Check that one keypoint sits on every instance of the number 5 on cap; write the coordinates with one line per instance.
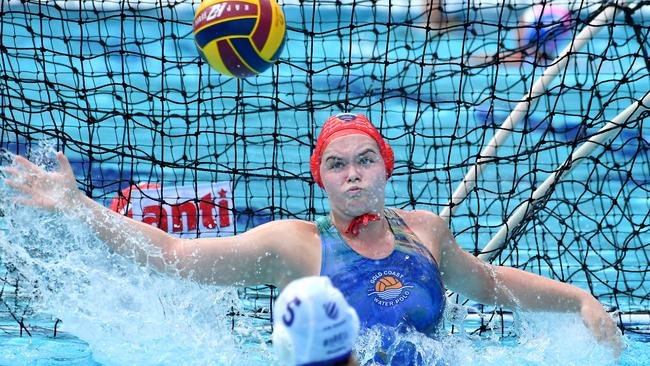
(288, 320)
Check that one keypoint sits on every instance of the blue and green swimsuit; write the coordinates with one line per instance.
(403, 290)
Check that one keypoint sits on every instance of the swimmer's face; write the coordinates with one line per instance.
(354, 175)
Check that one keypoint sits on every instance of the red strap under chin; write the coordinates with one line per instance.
(364, 219)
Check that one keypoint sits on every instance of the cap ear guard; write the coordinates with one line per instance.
(356, 323)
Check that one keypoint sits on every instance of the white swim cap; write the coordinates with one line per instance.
(313, 323)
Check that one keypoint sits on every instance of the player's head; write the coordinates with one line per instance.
(313, 324)
(344, 124)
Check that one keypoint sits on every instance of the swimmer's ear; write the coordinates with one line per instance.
(64, 163)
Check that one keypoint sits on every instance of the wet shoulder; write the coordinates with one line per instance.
(425, 225)
(296, 233)
(298, 243)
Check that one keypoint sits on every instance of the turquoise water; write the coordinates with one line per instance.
(114, 312)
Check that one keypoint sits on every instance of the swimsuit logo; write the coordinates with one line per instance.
(389, 288)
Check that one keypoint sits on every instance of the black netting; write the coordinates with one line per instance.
(121, 89)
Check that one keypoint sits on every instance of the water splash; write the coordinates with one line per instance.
(131, 314)
(554, 339)
(127, 313)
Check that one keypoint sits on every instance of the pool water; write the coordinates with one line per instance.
(116, 313)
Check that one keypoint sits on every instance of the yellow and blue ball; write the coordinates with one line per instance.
(240, 38)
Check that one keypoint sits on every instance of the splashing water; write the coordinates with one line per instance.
(547, 339)
(130, 314)
(536, 339)
(127, 313)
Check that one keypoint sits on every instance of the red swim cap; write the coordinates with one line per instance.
(347, 124)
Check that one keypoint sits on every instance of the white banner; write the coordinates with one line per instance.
(186, 212)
